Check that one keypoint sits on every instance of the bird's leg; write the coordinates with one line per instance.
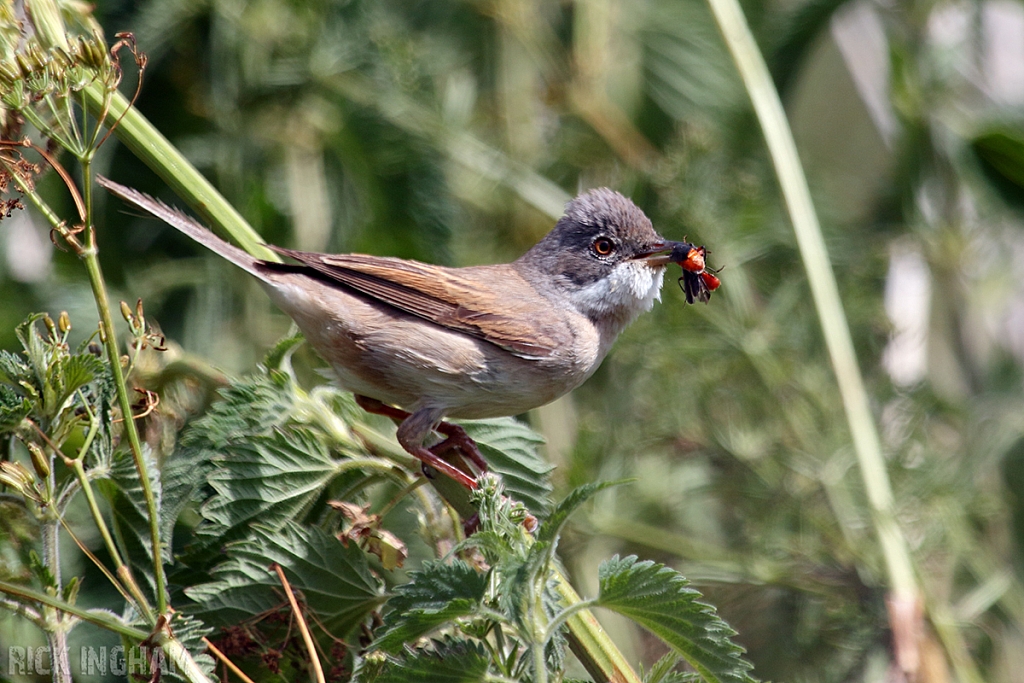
(413, 431)
(411, 434)
(456, 436)
(372, 405)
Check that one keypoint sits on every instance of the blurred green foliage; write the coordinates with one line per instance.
(452, 131)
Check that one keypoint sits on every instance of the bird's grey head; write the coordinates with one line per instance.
(596, 257)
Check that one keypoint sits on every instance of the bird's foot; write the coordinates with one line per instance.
(455, 436)
(458, 438)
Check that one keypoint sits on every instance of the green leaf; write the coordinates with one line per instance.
(264, 479)
(123, 490)
(279, 356)
(510, 448)
(12, 369)
(252, 406)
(448, 661)
(190, 632)
(334, 581)
(658, 598)
(74, 373)
(552, 526)
(183, 474)
(436, 595)
(33, 345)
(662, 671)
(13, 408)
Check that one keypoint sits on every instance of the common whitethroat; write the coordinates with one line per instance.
(420, 342)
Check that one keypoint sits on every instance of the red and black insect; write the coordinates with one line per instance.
(698, 281)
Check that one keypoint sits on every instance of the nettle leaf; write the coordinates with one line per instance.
(190, 632)
(510, 448)
(74, 373)
(334, 581)
(35, 349)
(123, 490)
(663, 671)
(12, 369)
(447, 661)
(251, 406)
(265, 479)
(435, 596)
(660, 599)
(552, 526)
(13, 408)
(184, 473)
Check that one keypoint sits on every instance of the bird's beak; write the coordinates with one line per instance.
(663, 252)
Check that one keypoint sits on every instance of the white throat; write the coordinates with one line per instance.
(615, 301)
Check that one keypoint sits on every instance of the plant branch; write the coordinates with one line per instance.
(101, 619)
(147, 143)
(589, 642)
(108, 337)
(565, 615)
(89, 254)
(307, 638)
(825, 292)
(57, 628)
(227, 662)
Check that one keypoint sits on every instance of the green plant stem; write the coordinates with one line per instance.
(540, 666)
(101, 619)
(147, 143)
(99, 290)
(171, 646)
(89, 253)
(565, 615)
(131, 430)
(588, 641)
(779, 138)
(539, 626)
(57, 627)
(121, 569)
(23, 610)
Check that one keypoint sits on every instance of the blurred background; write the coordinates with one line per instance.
(454, 131)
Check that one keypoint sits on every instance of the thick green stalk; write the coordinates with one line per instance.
(147, 143)
(825, 292)
(588, 641)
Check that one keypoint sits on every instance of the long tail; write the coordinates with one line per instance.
(185, 224)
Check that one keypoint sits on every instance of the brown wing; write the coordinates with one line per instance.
(439, 294)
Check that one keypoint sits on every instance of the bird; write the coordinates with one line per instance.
(420, 342)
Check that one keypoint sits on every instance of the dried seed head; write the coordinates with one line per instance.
(16, 476)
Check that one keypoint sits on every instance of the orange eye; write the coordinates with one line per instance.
(603, 246)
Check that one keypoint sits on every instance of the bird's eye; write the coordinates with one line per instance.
(603, 246)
